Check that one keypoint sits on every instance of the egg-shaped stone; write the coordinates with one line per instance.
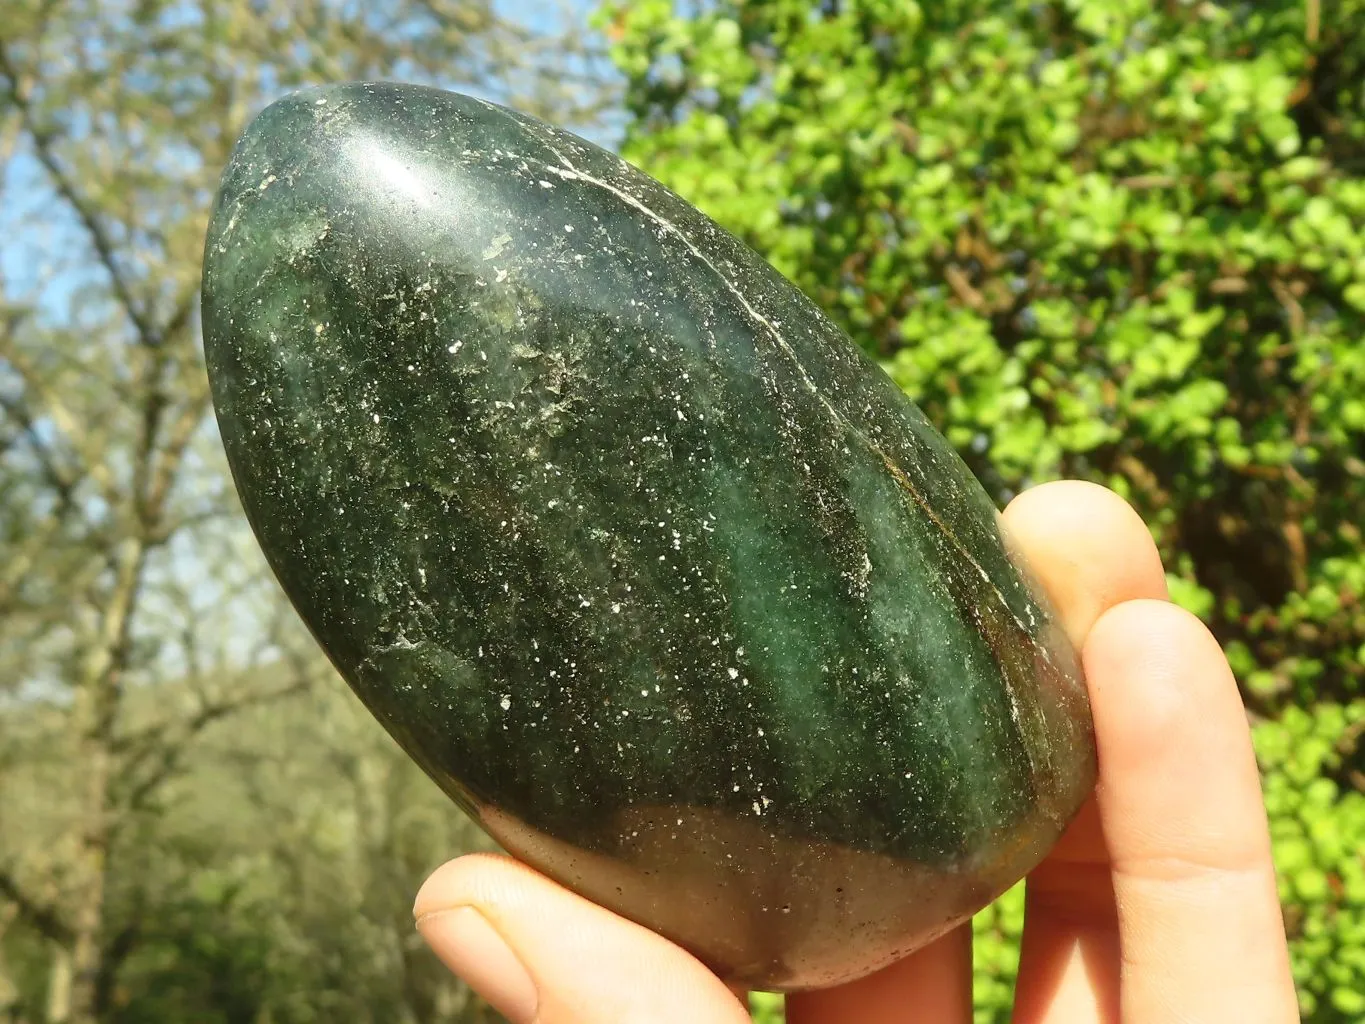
(628, 545)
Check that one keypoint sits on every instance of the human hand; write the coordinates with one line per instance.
(1158, 904)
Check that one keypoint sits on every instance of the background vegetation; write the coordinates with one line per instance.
(1112, 239)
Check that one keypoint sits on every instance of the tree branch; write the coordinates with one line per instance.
(90, 464)
(104, 247)
(155, 743)
(115, 953)
(22, 559)
(40, 916)
(62, 482)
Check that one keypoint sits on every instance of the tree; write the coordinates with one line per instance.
(280, 885)
(1110, 239)
(123, 562)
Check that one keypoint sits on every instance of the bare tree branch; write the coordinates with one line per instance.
(62, 417)
(37, 914)
(62, 481)
(165, 745)
(115, 953)
(43, 145)
(21, 562)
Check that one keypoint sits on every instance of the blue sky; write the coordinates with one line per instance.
(38, 236)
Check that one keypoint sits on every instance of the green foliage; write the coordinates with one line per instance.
(1121, 240)
(766, 1008)
(996, 932)
(1318, 827)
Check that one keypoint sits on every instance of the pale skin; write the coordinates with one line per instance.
(1158, 905)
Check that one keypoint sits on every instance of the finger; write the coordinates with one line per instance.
(1180, 802)
(931, 986)
(1087, 548)
(1090, 552)
(538, 953)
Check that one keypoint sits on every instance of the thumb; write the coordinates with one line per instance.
(541, 955)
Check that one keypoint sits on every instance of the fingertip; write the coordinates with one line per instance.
(572, 951)
(1087, 548)
(468, 881)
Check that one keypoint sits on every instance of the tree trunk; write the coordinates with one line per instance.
(9, 991)
(88, 920)
(59, 987)
(96, 704)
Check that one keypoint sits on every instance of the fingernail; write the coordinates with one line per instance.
(465, 942)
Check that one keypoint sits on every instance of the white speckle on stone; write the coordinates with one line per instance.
(506, 702)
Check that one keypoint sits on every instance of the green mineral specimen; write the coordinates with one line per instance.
(653, 571)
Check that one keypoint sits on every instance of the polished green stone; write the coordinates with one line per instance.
(625, 542)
